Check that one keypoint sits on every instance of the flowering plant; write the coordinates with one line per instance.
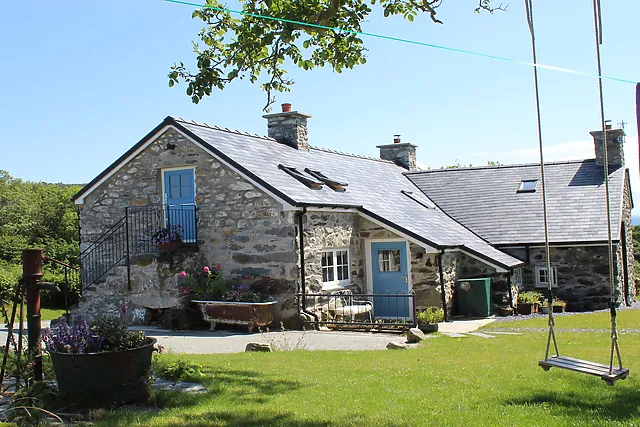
(208, 284)
(204, 283)
(106, 334)
(77, 339)
(171, 233)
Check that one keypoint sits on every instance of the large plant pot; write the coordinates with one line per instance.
(112, 376)
(249, 314)
(527, 308)
(428, 328)
(559, 308)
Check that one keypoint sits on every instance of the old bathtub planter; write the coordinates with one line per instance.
(249, 314)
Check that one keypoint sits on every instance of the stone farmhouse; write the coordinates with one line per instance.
(316, 221)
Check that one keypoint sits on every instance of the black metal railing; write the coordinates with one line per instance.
(344, 308)
(145, 221)
(70, 283)
(104, 254)
(136, 234)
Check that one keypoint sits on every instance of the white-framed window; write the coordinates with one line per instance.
(542, 277)
(335, 267)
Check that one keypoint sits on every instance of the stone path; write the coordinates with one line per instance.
(486, 335)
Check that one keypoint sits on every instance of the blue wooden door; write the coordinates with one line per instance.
(180, 202)
(389, 274)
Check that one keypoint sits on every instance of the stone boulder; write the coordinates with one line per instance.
(258, 346)
(415, 335)
(397, 346)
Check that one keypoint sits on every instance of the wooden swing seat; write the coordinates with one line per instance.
(585, 367)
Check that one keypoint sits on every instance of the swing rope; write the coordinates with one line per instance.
(597, 21)
(552, 335)
(550, 276)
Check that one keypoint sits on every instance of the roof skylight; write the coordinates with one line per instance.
(527, 186)
(306, 180)
(331, 183)
(421, 201)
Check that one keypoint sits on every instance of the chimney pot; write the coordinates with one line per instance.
(289, 127)
(396, 139)
(607, 124)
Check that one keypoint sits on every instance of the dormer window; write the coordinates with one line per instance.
(527, 186)
(331, 183)
(305, 179)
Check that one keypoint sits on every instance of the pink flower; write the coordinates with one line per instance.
(185, 291)
(218, 266)
(205, 269)
(183, 273)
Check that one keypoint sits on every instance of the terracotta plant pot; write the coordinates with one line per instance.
(250, 314)
(168, 247)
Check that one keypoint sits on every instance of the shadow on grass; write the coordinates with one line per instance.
(250, 419)
(616, 404)
(231, 385)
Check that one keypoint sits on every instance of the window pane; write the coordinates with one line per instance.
(388, 260)
(328, 274)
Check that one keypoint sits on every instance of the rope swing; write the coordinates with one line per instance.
(607, 373)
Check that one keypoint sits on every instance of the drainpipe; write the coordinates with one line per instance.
(442, 291)
(303, 279)
(509, 290)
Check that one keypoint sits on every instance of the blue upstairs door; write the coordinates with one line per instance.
(389, 274)
(180, 201)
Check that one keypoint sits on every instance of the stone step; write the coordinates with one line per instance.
(480, 334)
(453, 334)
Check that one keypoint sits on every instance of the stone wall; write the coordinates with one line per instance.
(327, 230)
(239, 227)
(628, 228)
(583, 274)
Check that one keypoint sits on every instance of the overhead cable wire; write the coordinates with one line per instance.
(402, 40)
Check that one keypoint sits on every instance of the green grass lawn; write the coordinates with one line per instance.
(626, 319)
(46, 313)
(467, 381)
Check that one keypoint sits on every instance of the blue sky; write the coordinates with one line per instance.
(83, 81)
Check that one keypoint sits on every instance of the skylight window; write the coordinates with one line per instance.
(528, 186)
(421, 201)
(331, 183)
(306, 180)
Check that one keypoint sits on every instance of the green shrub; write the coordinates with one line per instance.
(116, 335)
(530, 297)
(431, 315)
(182, 370)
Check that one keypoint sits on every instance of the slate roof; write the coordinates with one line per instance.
(485, 199)
(375, 187)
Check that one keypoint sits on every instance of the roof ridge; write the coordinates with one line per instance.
(511, 166)
(227, 130)
(358, 156)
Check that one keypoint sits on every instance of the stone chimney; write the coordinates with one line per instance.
(615, 139)
(289, 127)
(401, 153)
